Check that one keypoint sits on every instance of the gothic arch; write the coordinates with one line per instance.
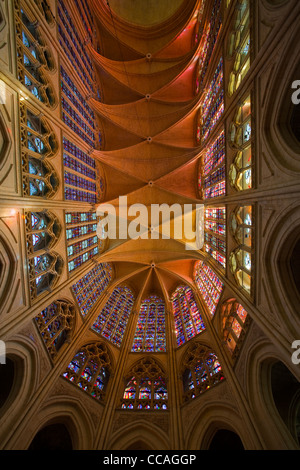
(8, 266)
(131, 433)
(68, 411)
(91, 368)
(24, 355)
(200, 370)
(5, 139)
(56, 324)
(145, 386)
(279, 107)
(279, 248)
(261, 356)
(210, 419)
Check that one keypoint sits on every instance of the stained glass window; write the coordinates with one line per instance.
(211, 105)
(211, 182)
(187, 318)
(44, 270)
(81, 225)
(90, 288)
(55, 324)
(235, 321)
(34, 57)
(207, 43)
(201, 370)
(241, 130)
(239, 46)
(240, 173)
(76, 112)
(45, 266)
(209, 284)
(145, 388)
(241, 258)
(150, 333)
(215, 234)
(73, 46)
(90, 369)
(42, 230)
(112, 320)
(38, 144)
(80, 174)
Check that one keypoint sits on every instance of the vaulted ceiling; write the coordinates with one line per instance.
(148, 111)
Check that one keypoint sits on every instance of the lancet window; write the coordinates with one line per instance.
(146, 387)
(187, 318)
(90, 370)
(150, 335)
(113, 318)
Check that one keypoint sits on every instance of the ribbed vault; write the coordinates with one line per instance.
(148, 109)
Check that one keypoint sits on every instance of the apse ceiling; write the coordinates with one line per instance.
(144, 12)
(147, 112)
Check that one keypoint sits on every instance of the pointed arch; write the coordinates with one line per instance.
(145, 387)
(90, 369)
(200, 371)
(209, 285)
(112, 320)
(150, 335)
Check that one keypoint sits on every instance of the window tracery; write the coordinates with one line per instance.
(235, 321)
(212, 176)
(240, 173)
(90, 287)
(55, 324)
(209, 285)
(82, 225)
(112, 320)
(201, 370)
(239, 46)
(146, 387)
(35, 58)
(240, 260)
(42, 232)
(187, 318)
(215, 233)
(45, 9)
(90, 370)
(211, 105)
(38, 144)
(150, 335)
(207, 43)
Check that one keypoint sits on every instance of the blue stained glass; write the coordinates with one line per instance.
(26, 60)
(35, 238)
(187, 318)
(25, 40)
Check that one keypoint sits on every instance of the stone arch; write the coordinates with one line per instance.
(200, 370)
(24, 356)
(5, 139)
(261, 356)
(225, 439)
(279, 107)
(280, 245)
(8, 265)
(213, 417)
(145, 386)
(131, 433)
(69, 412)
